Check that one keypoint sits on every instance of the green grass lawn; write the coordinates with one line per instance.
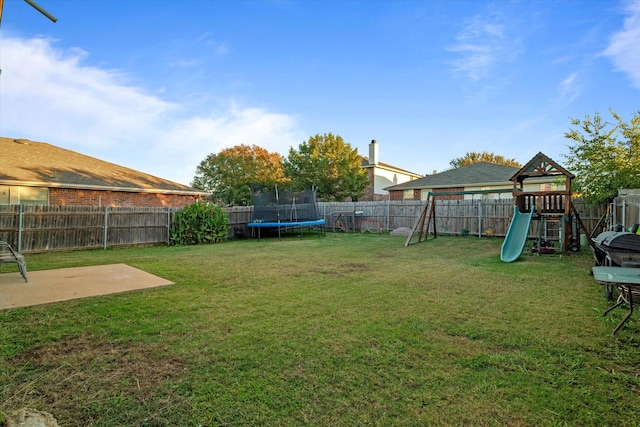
(339, 330)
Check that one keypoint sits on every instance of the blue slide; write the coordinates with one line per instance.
(516, 236)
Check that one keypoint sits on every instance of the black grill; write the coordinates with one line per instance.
(612, 248)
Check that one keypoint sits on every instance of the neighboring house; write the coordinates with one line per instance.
(481, 176)
(39, 173)
(382, 175)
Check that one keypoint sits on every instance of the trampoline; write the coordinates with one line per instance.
(284, 226)
(284, 210)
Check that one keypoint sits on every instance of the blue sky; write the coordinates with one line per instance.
(157, 85)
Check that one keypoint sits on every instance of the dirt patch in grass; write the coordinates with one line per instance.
(337, 269)
(82, 375)
(340, 269)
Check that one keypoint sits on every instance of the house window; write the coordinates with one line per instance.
(408, 195)
(15, 195)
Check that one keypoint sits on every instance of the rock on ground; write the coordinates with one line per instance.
(30, 418)
(402, 231)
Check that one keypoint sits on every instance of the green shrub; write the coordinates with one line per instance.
(200, 222)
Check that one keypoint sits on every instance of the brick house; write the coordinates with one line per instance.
(382, 175)
(39, 173)
(482, 176)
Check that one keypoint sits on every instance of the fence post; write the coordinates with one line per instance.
(20, 215)
(168, 226)
(388, 218)
(480, 217)
(106, 227)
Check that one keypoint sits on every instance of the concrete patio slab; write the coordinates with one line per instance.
(64, 284)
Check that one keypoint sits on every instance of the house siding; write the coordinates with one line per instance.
(79, 197)
(379, 179)
(396, 195)
(449, 196)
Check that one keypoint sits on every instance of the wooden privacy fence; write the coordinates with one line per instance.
(479, 216)
(39, 228)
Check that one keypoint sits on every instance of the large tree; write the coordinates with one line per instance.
(229, 174)
(604, 156)
(477, 157)
(330, 165)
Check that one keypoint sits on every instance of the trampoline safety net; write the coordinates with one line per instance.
(283, 206)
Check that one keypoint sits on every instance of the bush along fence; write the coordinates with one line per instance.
(199, 223)
(40, 228)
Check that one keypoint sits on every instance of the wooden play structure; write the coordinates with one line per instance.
(549, 206)
(552, 208)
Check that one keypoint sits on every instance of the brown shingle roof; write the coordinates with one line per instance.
(25, 162)
(482, 173)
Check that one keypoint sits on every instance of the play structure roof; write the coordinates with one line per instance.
(539, 166)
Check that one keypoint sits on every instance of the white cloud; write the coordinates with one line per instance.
(482, 44)
(624, 45)
(195, 52)
(50, 95)
(193, 138)
(569, 89)
(49, 92)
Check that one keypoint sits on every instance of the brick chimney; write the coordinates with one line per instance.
(373, 152)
